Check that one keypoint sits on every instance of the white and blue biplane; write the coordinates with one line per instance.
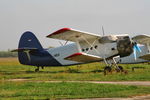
(87, 47)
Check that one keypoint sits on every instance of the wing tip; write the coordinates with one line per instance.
(59, 31)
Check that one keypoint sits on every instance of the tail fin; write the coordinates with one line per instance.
(28, 43)
(29, 40)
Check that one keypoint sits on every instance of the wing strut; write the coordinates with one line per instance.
(90, 44)
(148, 47)
(78, 45)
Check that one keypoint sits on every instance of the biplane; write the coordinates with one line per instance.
(86, 48)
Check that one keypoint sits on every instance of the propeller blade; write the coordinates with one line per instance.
(134, 52)
(138, 48)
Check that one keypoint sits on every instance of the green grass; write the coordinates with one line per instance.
(43, 90)
(11, 69)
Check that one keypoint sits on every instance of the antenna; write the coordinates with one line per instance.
(103, 31)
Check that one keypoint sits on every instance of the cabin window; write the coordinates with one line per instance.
(87, 49)
(83, 50)
(95, 46)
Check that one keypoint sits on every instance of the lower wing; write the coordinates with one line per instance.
(83, 57)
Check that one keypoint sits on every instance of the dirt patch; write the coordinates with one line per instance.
(145, 97)
(17, 80)
(143, 83)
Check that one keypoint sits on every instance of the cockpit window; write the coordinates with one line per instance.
(108, 39)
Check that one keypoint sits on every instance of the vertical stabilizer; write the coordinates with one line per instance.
(28, 41)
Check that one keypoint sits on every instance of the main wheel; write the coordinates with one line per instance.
(119, 69)
(37, 70)
(107, 69)
(42, 67)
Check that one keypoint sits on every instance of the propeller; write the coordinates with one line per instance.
(136, 49)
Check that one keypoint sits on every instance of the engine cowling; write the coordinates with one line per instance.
(124, 46)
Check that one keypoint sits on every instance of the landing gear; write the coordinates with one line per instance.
(119, 69)
(107, 70)
(42, 67)
(109, 67)
(38, 67)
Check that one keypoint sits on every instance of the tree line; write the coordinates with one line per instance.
(8, 54)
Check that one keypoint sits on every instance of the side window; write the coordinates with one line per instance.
(87, 49)
(90, 48)
(95, 46)
(83, 50)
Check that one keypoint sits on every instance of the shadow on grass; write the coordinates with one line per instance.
(96, 71)
(52, 72)
(66, 71)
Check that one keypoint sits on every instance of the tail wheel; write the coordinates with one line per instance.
(42, 67)
(37, 69)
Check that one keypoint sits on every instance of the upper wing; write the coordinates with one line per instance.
(83, 57)
(72, 35)
(142, 39)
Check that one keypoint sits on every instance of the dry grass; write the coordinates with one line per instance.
(9, 61)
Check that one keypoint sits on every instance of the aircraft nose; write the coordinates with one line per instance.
(125, 46)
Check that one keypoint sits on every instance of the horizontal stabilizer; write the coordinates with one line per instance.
(83, 57)
(145, 57)
(24, 49)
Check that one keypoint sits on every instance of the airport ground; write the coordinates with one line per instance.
(74, 82)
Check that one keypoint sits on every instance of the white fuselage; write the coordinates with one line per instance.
(102, 50)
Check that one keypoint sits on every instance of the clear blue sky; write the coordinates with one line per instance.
(42, 17)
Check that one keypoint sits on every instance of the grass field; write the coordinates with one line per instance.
(43, 90)
(11, 69)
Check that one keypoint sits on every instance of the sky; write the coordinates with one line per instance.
(42, 17)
